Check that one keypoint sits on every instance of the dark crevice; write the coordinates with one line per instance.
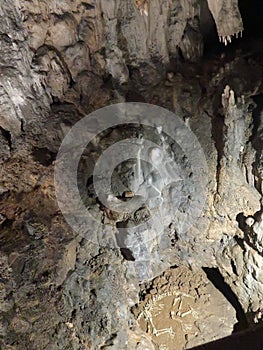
(120, 239)
(217, 279)
(234, 267)
(257, 119)
(7, 135)
(257, 132)
(247, 174)
(208, 30)
(43, 50)
(257, 139)
(7, 224)
(258, 177)
(127, 254)
(240, 242)
(249, 237)
(22, 127)
(43, 156)
(88, 6)
(241, 219)
(109, 342)
(218, 137)
(249, 339)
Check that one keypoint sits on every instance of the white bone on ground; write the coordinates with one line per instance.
(250, 221)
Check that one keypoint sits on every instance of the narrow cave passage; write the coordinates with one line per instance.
(208, 30)
(217, 279)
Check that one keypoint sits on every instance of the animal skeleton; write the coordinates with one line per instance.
(148, 312)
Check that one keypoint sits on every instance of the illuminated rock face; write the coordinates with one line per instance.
(61, 60)
(64, 36)
(227, 18)
(155, 195)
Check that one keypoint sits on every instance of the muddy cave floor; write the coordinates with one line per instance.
(43, 294)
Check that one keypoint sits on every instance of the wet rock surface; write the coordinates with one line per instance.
(63, 59)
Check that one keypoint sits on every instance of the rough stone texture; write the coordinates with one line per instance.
(20, 86)
(227, 17)
(108, 36)
(62, 59)
(145, 229)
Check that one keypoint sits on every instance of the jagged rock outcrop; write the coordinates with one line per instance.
(21, 86)
(227, 18)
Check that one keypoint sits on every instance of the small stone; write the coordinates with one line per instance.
(69, 325)
(20, 325)
(250, 221)
(128, 194)
(170, 76)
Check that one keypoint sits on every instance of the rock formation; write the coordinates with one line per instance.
(61, 60)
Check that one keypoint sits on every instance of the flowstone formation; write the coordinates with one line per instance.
(150, 190)
(62, 60)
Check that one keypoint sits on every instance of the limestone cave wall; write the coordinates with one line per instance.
(61, 60)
